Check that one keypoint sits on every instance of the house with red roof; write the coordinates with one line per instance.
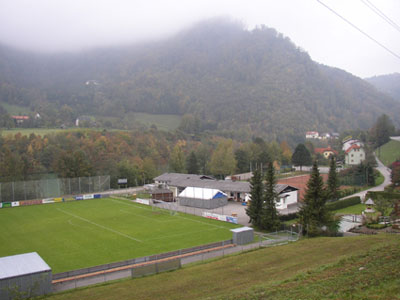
(354, 155)
(19, 119)
(326, 152)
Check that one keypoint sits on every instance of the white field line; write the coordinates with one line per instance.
(101, 226)
(114, 199)
(153, 219)
(136, 206)
(180, 234)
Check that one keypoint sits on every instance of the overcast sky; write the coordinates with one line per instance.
(71, 25)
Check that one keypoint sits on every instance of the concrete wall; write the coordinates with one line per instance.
(26, 286)
(201, 203)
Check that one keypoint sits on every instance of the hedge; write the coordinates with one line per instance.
(386, 195)
(343, 203)
(288, 217)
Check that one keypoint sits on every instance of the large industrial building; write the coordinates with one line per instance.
(235, 190)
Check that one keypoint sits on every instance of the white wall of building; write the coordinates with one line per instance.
(355, 156)
(286, 199)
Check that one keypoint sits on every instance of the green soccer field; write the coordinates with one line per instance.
(80, 234)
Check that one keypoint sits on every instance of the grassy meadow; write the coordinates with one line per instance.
(389, 152)
(360, 267)
(163, 122)
(80, 234)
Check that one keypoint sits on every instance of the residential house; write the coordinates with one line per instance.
(326, 152)
(19, 119)
(312, 135)
(354, 155)
(347, 144)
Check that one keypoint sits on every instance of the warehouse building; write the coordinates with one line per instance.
(202, 198)
(235, 190)
(24, 276)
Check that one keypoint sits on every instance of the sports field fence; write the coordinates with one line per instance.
(48, 188)
(169, 261)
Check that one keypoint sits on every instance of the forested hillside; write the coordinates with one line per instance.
(217, 75)
(389, 84)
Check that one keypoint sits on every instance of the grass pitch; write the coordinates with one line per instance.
(80, 234)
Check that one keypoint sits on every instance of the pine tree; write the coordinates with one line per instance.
(313, 213)
(270, 220)
(333, 184)
(254, 209)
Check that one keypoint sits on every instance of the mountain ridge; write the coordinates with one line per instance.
(232, 81)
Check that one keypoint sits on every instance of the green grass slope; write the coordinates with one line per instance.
(15, 109)
(389, 152)
(257, 274)
(161, 121)
(87, 233)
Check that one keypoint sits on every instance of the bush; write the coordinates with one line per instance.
(288, 217)
(376, 226)
(343, 203)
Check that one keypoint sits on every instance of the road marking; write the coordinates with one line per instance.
(101, 226)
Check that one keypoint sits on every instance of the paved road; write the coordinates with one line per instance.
(385, 172)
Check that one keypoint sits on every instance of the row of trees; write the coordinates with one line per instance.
(137, 155)
(314, 217)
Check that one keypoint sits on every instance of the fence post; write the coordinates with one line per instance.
(69, 186)
(79, 184)
(0, 193)
(24, 191)
(13, 190)
(59, 189)
(99, 190)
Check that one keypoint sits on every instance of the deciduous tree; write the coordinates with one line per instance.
(301, 156)
(192, 165)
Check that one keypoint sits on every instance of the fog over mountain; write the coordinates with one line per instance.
(219, 75)
(389, 84)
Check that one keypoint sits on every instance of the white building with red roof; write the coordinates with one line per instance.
(354, 155)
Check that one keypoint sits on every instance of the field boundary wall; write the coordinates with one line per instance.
(163, 262)
(49, 200)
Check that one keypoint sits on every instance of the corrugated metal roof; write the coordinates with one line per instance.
(186, 180)
(242, 229)
(22, 264)
(199, 193)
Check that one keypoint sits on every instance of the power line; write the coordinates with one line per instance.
(381, 14)
(355, 27)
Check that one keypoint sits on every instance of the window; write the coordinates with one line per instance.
(352, 155)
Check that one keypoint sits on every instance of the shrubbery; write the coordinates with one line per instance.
(343, 203)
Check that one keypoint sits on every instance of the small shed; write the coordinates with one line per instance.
(242, 235)
(202, 198)
(162, 194)
(24, 276)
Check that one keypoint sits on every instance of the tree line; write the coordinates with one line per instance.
(138, 156)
